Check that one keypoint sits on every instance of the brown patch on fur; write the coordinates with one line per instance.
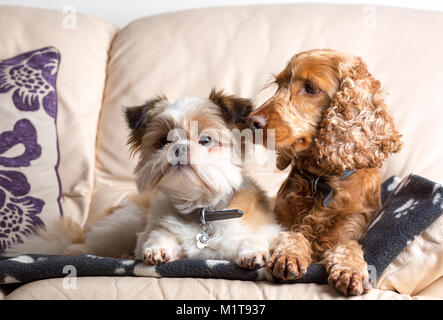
(137, 119)
(257, 210)
(142, 201)
(235, 110)
(329, 115)
(284, 159)
(76, 233)
(110, 210)
(69, 229)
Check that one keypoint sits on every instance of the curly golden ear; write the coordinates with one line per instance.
(356, 131)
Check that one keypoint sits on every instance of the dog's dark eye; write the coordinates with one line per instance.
(310, 88)
(162, 142)
(205, 140)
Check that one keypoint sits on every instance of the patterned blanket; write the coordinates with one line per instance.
(409, 207)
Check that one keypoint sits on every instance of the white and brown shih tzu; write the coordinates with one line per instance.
(194, 199)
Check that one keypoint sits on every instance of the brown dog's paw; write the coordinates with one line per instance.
(349, 282)
(287, 267)
(252, 260)
(156, 256)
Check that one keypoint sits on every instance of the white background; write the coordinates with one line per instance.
(121, 12)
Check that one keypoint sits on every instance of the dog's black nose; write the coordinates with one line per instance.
(181, 150)
(256, 122)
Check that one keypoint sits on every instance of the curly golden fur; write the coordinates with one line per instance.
(329, 116)
(356, 130)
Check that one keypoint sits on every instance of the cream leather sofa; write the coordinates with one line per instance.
(238, 48)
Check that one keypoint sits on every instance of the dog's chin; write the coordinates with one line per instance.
(180, 169)
(193, 182)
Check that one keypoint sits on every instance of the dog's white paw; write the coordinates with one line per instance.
(252, 260)
(156, 256)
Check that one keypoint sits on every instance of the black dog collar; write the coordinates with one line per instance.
(203, 215)
(320, 185)
(217, 212)
(213, 215)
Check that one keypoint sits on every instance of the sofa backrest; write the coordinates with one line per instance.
(239, 48)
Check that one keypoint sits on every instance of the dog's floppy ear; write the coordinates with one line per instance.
(357, 130)
(234, 109)
(137, 119)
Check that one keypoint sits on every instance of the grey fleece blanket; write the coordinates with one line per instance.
(409, 207)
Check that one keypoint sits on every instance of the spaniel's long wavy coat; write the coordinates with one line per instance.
(330, 118)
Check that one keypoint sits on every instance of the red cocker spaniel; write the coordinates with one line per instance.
(332, 125)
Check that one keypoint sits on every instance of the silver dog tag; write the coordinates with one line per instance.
(202, 239)
(205, 232)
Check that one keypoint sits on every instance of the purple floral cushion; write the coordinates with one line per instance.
(29, 184)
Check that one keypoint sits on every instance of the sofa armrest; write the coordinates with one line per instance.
(435, 289)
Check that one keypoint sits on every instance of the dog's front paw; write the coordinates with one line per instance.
(287, 267)
(252, 260)
(156, 256)
(348, 281)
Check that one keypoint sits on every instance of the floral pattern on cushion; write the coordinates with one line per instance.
(28, 81)
(24, 133)
(32, 76)
(18, 211)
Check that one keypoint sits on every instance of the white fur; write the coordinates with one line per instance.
(182, 107)
(113, 236)
(231, 239)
